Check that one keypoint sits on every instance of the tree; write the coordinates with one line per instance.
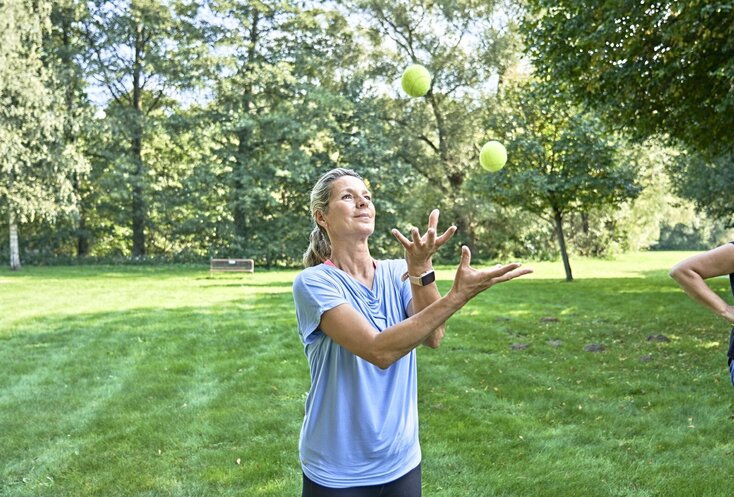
(286, 109)
(467, 50)
(708, 183)
(662, 68)
(562, 160)
(146, 55)
(65, 49)
(35, 162)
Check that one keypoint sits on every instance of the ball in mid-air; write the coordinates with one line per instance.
(416, 80)
(493, 156)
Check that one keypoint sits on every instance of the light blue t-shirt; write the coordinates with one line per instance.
(361, 422)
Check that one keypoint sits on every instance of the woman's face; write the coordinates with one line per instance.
(351, 211)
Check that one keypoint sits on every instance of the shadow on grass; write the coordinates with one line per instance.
(197, 401)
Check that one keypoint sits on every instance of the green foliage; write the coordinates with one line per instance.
(35, 163)
(662, 67)
(144, 54)
(658, 218)
(565, 158)
(697, 234)
(707, 183)
(181, 131)
(436, 137)
(656, 68)
(562, 161)
(276, 117)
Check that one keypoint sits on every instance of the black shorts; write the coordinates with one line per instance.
(731, 356)
(408, 485)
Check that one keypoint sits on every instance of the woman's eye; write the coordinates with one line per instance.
(346, 196)
(368, 197)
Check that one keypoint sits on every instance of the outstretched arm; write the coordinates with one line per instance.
(351, 330)
(691, 273)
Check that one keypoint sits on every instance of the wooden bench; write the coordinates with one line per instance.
(232, 266)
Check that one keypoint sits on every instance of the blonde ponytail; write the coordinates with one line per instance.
(319, 248)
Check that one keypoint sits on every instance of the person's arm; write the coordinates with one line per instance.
(418, 255)
(691, 273)
(423, 296)
(351, 330)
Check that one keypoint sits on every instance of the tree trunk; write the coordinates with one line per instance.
(558, 217)
(455, 177)
(138, 201)
(239, 188)
(82, 237)
(14, 251)
(244, 135)
(465, 231)
(585, 222)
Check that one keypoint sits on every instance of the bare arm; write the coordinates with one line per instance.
(691, 273)
(418, 255)
(352, 331)
(423, 296)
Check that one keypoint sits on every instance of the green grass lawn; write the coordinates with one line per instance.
(162, 381)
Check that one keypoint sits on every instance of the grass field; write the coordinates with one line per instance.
(162, 381)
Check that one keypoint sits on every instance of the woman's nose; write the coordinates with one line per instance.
(362, 201)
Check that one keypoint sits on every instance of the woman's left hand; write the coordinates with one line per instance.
(420, 250)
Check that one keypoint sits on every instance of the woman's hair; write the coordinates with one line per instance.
(319, 248)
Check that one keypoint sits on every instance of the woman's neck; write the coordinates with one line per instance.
(356, 261)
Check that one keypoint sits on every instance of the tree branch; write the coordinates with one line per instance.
(106, 80)
(154, 105)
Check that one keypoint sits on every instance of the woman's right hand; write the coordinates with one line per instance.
(419, 252)
(470, 282)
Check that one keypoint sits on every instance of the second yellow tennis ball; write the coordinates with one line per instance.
(416, 80)
(493, 156)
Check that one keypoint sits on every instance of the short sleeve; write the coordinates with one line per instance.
(314, 293)
(407, 295)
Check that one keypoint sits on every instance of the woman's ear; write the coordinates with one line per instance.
(320, 219)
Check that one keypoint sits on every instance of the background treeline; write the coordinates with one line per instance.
(178, 130)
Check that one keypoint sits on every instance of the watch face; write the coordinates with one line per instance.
(428, 278)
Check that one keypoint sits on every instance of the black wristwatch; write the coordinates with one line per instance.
(424, 279)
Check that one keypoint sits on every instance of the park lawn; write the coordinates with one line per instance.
(163, 381)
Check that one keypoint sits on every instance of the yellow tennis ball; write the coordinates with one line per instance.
(493, 156)
(416, 80)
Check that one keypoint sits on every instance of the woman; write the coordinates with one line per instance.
(690, 275)
(360, 321)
